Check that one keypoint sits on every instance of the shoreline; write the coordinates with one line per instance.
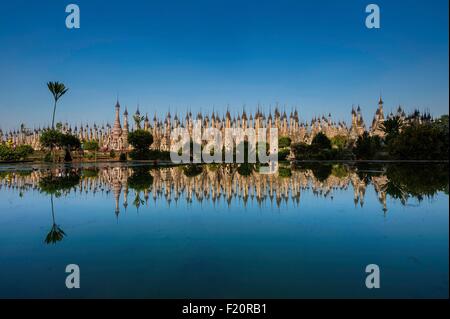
(8, 166)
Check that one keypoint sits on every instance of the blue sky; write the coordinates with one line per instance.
(203, 55)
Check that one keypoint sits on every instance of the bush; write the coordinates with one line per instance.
(140, 140)
(53, 138)
(69, 141)
(420, 142)
(149, 155)
(89, 156)
(367, 146)
(50, 139)
(48, 157)
(339, 141)
(24, 150)
(122, 157)
(284, 141)
(21, 152)
(321, 141)
(283, 154)
(301, 151)
(90, 146)
(112, 154)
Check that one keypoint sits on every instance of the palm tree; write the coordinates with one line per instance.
(58, 90)
(137, 120)
(392, 127)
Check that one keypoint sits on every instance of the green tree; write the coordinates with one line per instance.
(284, 141)
(52, 138)
(392, 127)
(141, 141)
(59, 126)
(123, 157)
(91, 146)
(21, 152)
(283, 154)
(367, 146)
(137, 120)
(420, 142)
(339, 141)
(441, 124)
(301, 151)
(57, 89)
(321, 142)
(69, 142)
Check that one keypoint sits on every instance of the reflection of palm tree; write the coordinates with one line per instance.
(138, 201)
(55, 234)
(396, 191)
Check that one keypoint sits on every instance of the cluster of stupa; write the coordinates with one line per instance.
(222, 183)
(115, 137)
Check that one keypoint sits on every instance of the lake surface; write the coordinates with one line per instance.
(224, 231)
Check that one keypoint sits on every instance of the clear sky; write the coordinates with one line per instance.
(203, 55)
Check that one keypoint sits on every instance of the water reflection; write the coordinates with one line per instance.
(56, 234)
(196, 234)
(56, 184)
(216, 182)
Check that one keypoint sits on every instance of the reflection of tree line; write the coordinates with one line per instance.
(400, 181)
(213, 182)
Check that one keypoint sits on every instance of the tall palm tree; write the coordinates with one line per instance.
(392, 127)
(58, 90)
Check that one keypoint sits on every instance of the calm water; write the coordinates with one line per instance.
(216, 231)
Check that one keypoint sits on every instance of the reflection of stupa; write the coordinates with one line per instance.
(219, 183)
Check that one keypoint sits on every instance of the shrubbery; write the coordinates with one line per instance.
(367, 146)
(122, 157)
(284, 142)
(283, 154)
(420, 142)
(320, 150)
(51, 139)
(91, 146)
(21, 152)
(141, 141)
